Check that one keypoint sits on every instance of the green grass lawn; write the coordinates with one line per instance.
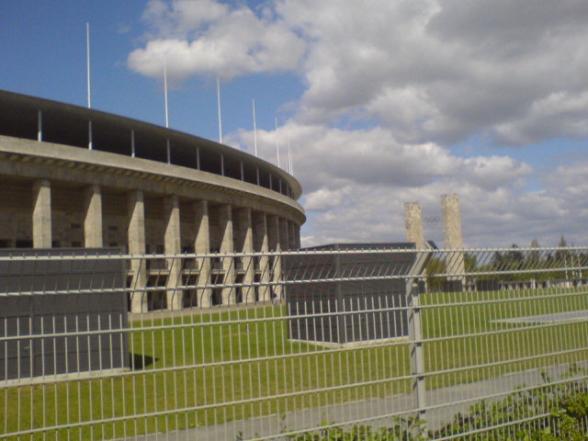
(209, 368)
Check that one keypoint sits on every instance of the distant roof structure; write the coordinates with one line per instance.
(367, 246)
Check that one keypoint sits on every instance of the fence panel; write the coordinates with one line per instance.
(434, 343)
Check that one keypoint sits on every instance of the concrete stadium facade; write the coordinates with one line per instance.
(75, 177)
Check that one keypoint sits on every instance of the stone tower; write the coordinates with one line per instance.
(451, 221)
(453, 238)
(413, 221)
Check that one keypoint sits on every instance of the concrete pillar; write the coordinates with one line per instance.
(297, 236)
(285, 242)
(413, 222)
(136, 245)
(246, 246)
(275, 245)
(202, 246)
(42, 214)
(225, 220)
(292, 235)
(172, 245)
(453, 238)
(284, 234)
(264, 261)
(93, 217)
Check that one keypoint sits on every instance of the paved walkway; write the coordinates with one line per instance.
(572, 316)
(310, 418)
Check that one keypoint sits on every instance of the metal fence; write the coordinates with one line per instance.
(436, 344)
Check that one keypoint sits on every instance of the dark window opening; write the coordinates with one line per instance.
(111, 137)
(250, 173)
(183, 155)
(150, 146)
(190, 299)
(217, 296)
(65, 128)
(188, 263)
(210, 161)
(264, 179)
(232, 168)
(156, 300)
(19, 122)
(239, 290)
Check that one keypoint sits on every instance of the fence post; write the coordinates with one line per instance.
(417, 358)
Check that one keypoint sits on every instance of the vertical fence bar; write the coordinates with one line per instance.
(415, 334)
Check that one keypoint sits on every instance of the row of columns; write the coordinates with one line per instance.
(272, 232)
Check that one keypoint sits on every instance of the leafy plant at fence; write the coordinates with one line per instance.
(555, 401)
(566, 420)
(403, 429)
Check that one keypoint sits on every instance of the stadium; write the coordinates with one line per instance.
(74, 177)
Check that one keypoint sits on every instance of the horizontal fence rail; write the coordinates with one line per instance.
(417, 344)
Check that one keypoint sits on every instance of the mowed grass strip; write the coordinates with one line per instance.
(474, 336)
(209, 368)
(220, 366)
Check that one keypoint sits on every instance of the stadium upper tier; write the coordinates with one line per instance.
(28, 117)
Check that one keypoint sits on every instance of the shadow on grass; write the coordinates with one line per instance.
(140, 361)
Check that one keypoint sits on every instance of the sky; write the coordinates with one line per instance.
(381, 102)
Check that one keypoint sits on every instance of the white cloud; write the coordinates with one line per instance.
(443, 71)
(357, 181)
(430, 70)
(422, 75)
(182, 16)
(562, 112)
(205, 37)
(324, 199)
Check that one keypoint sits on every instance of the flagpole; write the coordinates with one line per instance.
(165, 108)
(254, 128)
(277, 144)
(219, 111)
(88, 77)
(165, 105)
(290, 164)
(88, 84)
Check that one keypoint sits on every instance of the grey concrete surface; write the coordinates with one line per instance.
(57, 162)
(547, 318)
(443, 404)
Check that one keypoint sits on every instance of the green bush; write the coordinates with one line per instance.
(566, 408)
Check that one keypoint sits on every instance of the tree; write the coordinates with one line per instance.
(515, 257)
(534, 257)
(562, 256)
